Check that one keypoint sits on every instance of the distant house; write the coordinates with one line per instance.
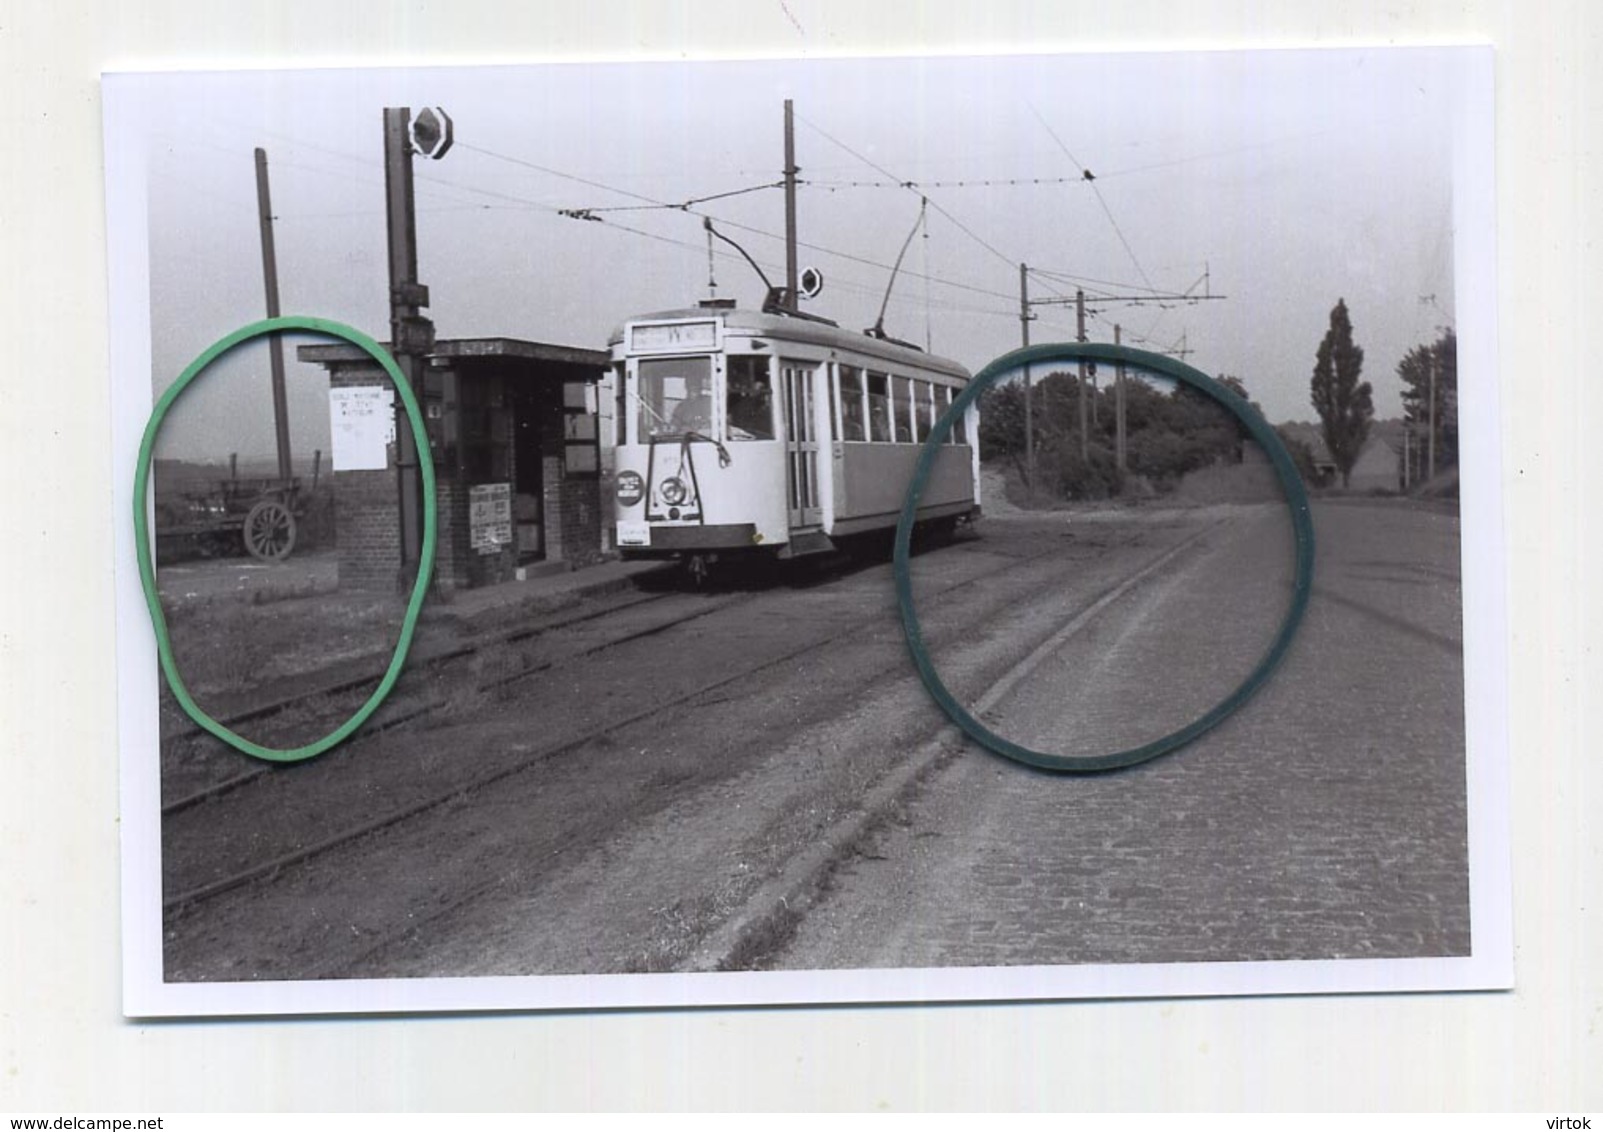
(1379, 466)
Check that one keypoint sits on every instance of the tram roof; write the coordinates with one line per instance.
(778, 326)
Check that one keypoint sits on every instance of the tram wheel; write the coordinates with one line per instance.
(269, 531)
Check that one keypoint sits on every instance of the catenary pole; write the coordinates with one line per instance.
(401, 223)
(1085, 446)
(790, 207)
(1029, 396)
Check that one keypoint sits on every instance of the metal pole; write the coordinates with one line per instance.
(1029, 395)
(1431, 472)
(1079, 307)
(275, 343)
(402, 226)
(790, 208)
(1118, 402)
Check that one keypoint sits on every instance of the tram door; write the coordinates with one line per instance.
(798, 387)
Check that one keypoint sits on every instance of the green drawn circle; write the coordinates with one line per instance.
(1290, 482)
(147, 565)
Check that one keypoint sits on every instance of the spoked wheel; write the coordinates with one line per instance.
(270, 531)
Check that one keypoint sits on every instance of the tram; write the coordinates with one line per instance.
(741, 432)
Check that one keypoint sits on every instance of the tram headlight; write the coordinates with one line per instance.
(673, 491)
(630, 488)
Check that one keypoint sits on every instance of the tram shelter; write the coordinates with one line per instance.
(513, 431)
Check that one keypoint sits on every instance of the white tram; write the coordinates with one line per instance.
(739, 431)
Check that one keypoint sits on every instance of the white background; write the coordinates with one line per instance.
(63, 1044)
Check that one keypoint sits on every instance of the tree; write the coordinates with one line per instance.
(1302, 454)
(1415, 373)
(1002, 421)
(1344, 404)
(1239, 388)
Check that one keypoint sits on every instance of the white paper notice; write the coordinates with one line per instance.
(362, 421)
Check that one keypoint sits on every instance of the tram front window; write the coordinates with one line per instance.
(675, 397)
(750, 407)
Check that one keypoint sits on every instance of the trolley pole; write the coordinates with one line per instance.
(1029, 395)
(275, 342)
(790, 208)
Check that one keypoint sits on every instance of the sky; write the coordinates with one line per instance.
(1279, 182)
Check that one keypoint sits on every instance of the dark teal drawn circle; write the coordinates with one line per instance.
(147, 565)
(1290, 482)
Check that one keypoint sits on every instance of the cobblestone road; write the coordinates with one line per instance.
(1324, 820)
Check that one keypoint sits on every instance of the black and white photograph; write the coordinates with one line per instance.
(578, 676)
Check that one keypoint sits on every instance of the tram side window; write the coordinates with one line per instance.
(921, 410)
(960, 425)
(749, 408)
(851, 403)
(879, 407)
(834, 399)
(902, 403)
(675, 397)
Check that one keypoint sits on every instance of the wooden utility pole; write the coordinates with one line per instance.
(791, 284)
(1029, 424)
(275, 343)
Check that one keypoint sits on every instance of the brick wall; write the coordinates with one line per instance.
(367, 505)
(576, 515)
(367, 523)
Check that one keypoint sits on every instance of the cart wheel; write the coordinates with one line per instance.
(269, 531)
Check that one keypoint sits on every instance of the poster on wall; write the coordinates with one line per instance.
(362, 427)
(490, 517)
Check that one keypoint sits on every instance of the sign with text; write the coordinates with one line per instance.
(490, 517)
(362, 424)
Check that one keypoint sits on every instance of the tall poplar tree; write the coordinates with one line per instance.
(1344, 404)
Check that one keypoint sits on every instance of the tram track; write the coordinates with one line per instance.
(187, 900)
(434, 662)
(762, 916)
(373, 673)
(765, 922)
(347, 691)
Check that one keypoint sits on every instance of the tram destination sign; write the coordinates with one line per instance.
(673, 336)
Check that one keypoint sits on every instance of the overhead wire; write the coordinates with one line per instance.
(1090, 179)
(682, 206)
(655, 203)
(457, 197)
(913, 187)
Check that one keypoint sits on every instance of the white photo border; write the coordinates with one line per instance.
(1488, 967)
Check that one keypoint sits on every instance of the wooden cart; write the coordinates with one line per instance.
(261, 513)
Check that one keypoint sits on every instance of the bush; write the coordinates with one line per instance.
(1094, 477)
